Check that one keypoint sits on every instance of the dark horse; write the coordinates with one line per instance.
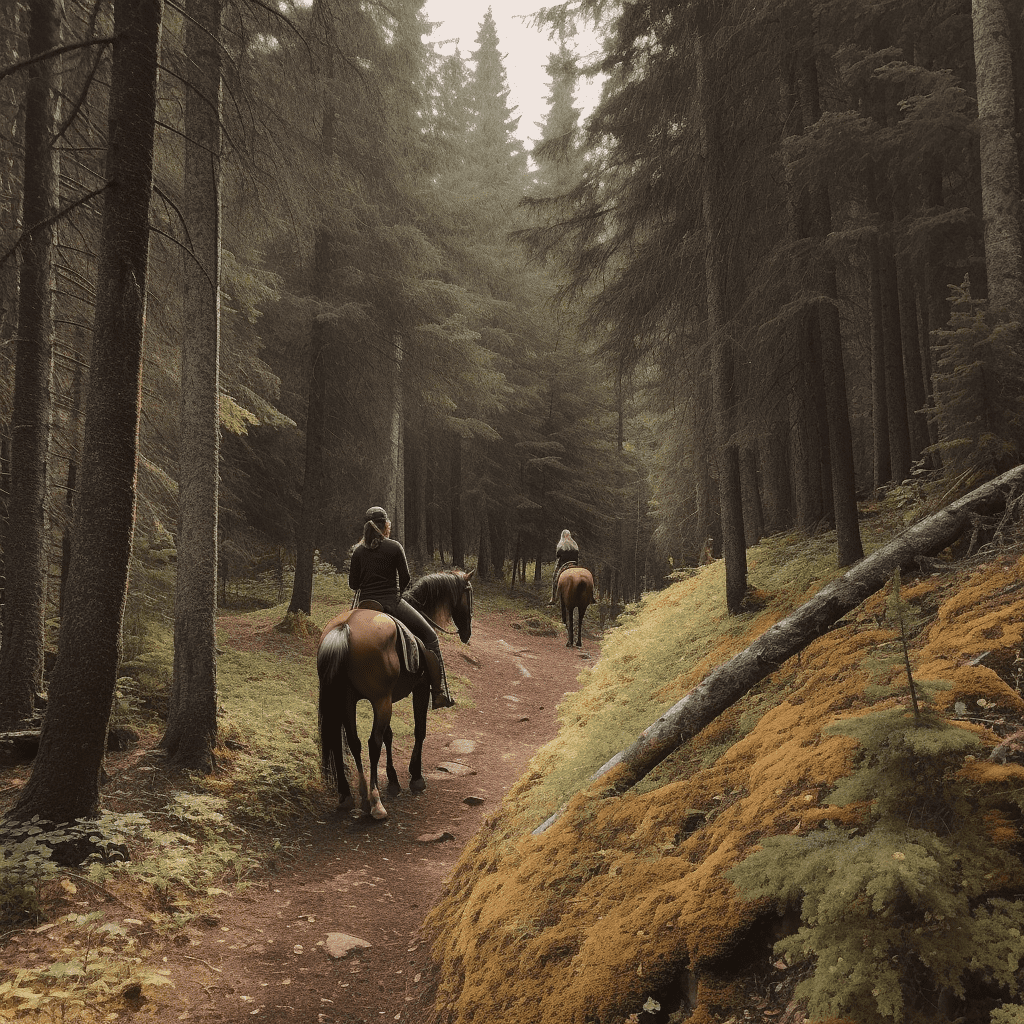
(358, 658)
(575, 593)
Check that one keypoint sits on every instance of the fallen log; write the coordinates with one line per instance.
(18, 745)
(729, 682)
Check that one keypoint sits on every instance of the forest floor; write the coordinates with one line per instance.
(271, 952)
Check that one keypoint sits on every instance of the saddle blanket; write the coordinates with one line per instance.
(407, 643)
(409, 647)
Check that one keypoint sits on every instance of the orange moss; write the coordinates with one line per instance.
(622, 893)
(989, 773)
(1000, 828)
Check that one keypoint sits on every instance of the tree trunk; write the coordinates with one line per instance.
(322, 271)
(807, 426)
(455, 482)
(734, 548)
(804, 437)
(882, 459)
(499, 542)
(1000, 168)
(753, 516)
(21, 653)
(430, 517)
(840, 438)
(776, 498)
(912, 370)
(5, 493)
(729, 682)
(895, 380)
(394, 487)
(707, 507)
(415, 506)
(191, 731)
(841, 481)
(482, 556)
(64, 784)
(308, 523)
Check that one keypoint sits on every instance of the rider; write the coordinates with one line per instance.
(379, 572)
(567, 552)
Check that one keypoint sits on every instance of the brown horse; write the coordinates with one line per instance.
(358, 658)
(575, 593)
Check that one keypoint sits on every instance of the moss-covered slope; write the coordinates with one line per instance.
(624, 901)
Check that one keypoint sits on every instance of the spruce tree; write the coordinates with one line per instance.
(917, 898)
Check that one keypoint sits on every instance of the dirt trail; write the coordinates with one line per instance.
(263, 955)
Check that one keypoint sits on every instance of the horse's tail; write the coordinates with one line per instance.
(330, 667)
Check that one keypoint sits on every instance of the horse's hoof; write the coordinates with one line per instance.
(569, 644)
(346, 805)
(418, 785)
(394, 787)
(379, 813)
(580, 644)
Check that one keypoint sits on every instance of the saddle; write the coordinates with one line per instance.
(412, 652)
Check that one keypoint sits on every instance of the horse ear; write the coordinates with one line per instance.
(469, 575)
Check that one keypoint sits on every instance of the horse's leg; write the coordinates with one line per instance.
(579, 626)
(420, 701)
(357, 754)
(567, 619)
(394, 786)
(331, 726)
(381, 724)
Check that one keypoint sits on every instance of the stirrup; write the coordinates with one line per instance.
(434, 670)
(438, 703)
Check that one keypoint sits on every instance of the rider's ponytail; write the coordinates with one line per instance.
(372, 535)
(375, 528)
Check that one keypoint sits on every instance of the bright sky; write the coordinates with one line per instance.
(525, 52)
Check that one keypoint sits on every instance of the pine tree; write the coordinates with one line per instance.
(21, 653)
(192, 711)
(64, 785)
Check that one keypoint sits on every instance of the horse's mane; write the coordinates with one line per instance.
(436, 594)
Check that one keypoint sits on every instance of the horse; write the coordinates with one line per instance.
(357, 658)
(575, 593)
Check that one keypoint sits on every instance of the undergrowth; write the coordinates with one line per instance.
(625, 901)
(177, 844)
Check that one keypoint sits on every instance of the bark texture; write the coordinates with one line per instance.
(322, 276)
(729, 682)
(21, 655)
(723, 385)
(192, 713)
(64, 785)
(1000, 170)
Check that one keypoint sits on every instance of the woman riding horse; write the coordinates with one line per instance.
(362, 656)
(380, 572)
(567, 552)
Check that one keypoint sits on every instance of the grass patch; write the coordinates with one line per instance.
(190, 838)
(657, 650)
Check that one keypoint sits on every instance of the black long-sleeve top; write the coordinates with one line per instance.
(380, 573)
(566, 552)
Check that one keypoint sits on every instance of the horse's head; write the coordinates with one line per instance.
(462, 613)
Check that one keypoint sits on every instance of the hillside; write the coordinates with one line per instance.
(622, 910)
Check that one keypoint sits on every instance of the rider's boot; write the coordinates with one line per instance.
(439, 695)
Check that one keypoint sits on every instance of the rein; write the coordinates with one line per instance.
(450, 632)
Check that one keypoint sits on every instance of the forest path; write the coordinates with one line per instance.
(263, 955)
